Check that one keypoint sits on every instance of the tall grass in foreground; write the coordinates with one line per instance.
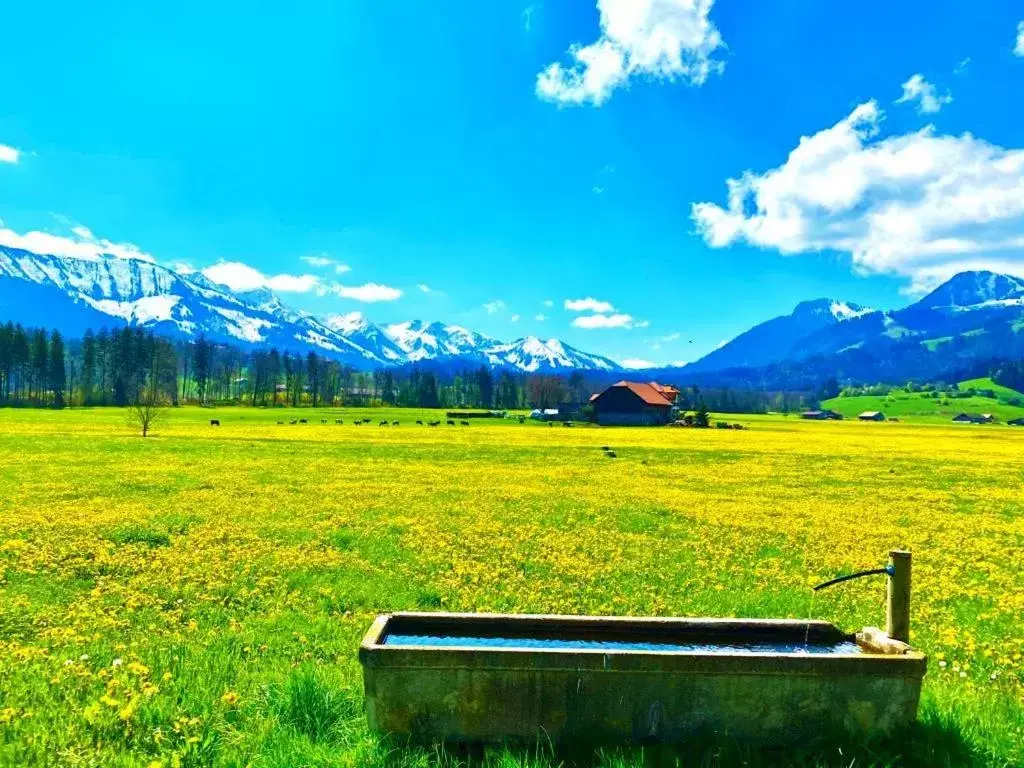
(196, 598)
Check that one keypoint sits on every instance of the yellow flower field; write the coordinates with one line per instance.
(197, 597)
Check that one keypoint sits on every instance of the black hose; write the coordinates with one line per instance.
(841, 579)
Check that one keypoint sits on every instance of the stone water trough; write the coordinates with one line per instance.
(479, 678)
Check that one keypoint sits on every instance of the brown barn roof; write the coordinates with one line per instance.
(651, 394)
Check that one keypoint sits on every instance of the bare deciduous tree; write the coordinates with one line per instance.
(147, 410)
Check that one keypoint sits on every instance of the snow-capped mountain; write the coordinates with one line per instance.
(532, 354)
(775, 339)
(356, 328)
(422, 341)
(72, 294)
(972, 318)
(970, 290)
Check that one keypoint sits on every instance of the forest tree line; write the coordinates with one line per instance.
(118, 367)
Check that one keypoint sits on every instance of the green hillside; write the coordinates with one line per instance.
(1001, 392)
(926, 406)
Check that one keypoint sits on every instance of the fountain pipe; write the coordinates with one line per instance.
(897, 612)
(850, 576)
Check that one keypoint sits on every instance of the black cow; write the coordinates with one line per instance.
(451, 422)
(464, 423)
(303, 421)
(420, 422)
(394, 423)
(384, 423)
(214, 422)
(338, 421)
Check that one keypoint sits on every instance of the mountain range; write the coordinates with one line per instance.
(73, 294)
(973, 317)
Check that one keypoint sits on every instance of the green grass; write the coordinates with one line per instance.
(1001, 392)
(921, 406)
(197, 597)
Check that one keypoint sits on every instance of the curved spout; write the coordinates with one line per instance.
(888, 570)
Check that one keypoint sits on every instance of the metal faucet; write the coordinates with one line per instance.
(888, 570)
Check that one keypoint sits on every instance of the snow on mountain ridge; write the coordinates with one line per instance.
(150, 295)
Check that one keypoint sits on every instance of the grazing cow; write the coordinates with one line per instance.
(214, 422)
(610, 454)
(464, 423)
(451, 422)
(606, 448)
(420, 422)
(338, 421)
(303, 421)
(567, 424)
(323, 421)
(384, 423)
(293, 421)
(280, 423)
(435, 424)
(394, 423)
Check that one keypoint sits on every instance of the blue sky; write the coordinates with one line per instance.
(515, 156)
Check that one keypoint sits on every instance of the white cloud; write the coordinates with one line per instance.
(1018, 49)
(920, 90)
(961, 68)
(540, 317)
(181, 267)
(921, 204)
(241, 277)
(368, 292)
(549, 303)
(317, 261)
(642, 324)
(495, 306)
(514, 318)
(590, 322)
(527, 16)
(597, 190)
(9, 154)
(588, 304)
(637, 363)
(424, 288)
(661, 39)
(670, 337)
(83, 245)
(321, 261)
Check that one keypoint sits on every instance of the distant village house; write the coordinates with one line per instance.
(974, 418)
(822, 415)
(872, 416)
(634, 403)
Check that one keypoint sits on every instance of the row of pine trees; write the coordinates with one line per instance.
(118, 367)
(39, 368)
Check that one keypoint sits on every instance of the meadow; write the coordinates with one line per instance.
(196, 598)
(922, 407)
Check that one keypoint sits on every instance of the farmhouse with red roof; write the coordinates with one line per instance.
(635, 403)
